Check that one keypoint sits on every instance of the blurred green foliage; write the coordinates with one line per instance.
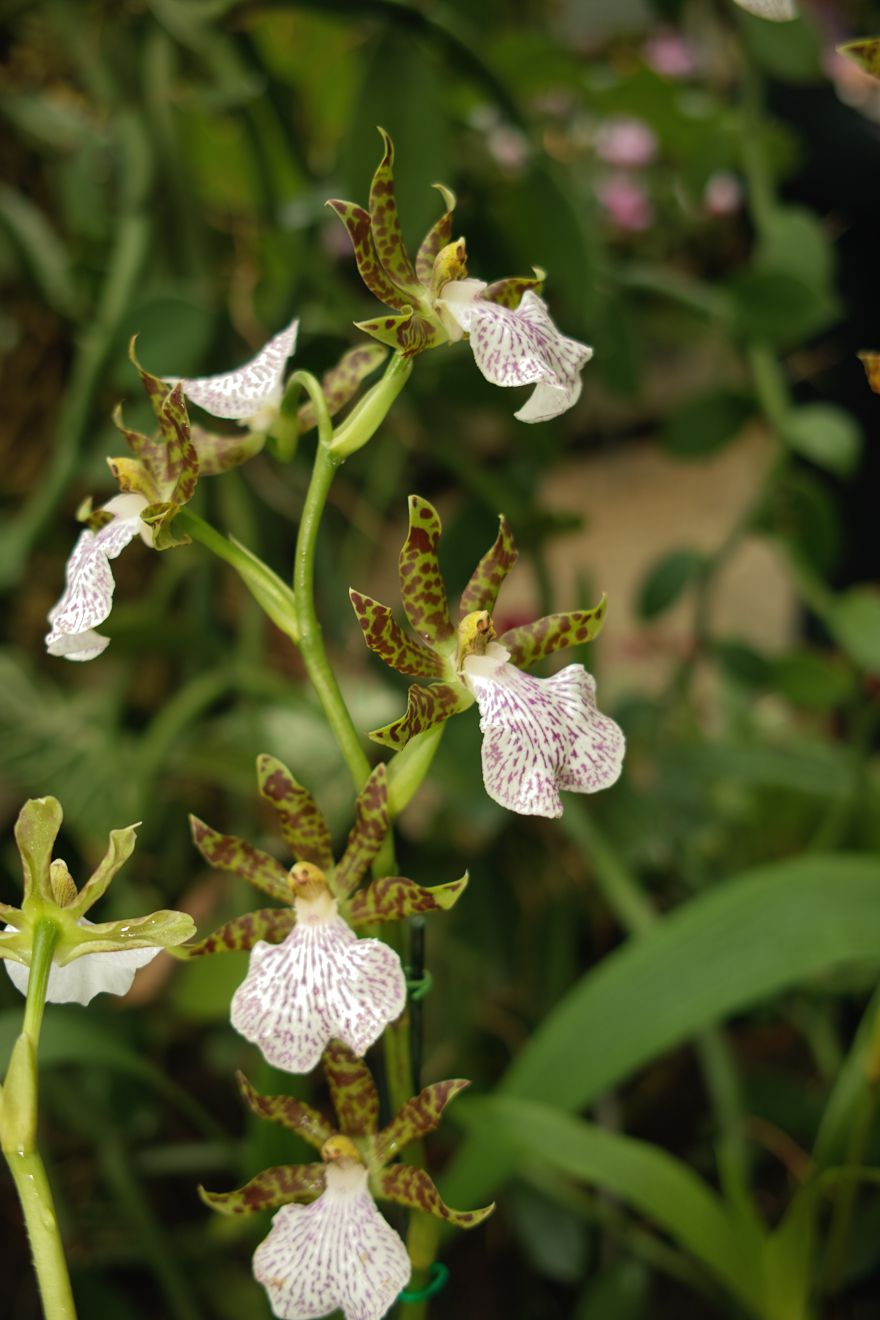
(682, 961)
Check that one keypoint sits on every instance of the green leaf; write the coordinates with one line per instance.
(791, 52)
(41, 248)
(706, 424)
(854, 622)
(747, 941)
(828, 436)
(667, 580)
(811, 679)
(775, 307)
(652, 1181)
(793, 239)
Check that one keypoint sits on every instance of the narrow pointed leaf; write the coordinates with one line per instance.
(421, 584)
(418, 1117)
(481, 592)
(119, 850)
(368, 832)
(372, 272)
(508, 293)
(221, 453)
(35, 833)
(532, 641)
(289, 1112)
(425, 708)
(385, 222)
(352, 1090)
(241, 933)
(270, 1189)
(436, 238)
(229, 853)
(305, 830)
(384, 636)
(406, 1185)
(158, 930)
(394, 897)
(408, 333)
(341, 383)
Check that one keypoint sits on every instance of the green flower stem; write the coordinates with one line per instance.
(19, 1135)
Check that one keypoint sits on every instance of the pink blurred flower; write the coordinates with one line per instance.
(670, 54)
(723, 194)
(626, 143)
(626, 203)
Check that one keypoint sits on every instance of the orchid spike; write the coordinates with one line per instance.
(310, 978)
(540, 735)
(88, 958)
(329, 1247)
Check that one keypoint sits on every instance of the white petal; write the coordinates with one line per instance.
(337, 1253)
(92, 974)
(456, 305)
(523, 347)
(322, 983)
(779, 11)
(253, 388)
(541, 735)
(88, 593)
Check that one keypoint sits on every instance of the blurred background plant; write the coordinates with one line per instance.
(684, 960)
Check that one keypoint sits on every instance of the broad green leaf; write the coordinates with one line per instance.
(793, 239)
(42, 249)
(303, 826)
(790, 52)
(667, 580)
(809, 678)
(747, 941)
(854, 621)
(771, 305)
(706, 424)
(828, 436)
(778, 11)
(646, 1177)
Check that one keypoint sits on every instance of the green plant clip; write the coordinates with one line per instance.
(419, 986)
(437, 1281)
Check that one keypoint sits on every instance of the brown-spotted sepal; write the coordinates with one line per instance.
(341, 383)
(481, 592)
(303, 826)
(509, 292)
(367, 834)
(230, 853)
(530, 642)
(871, 362)
(436, 239)
(865, 51)
(370, 268)
(352, 1090)
(270, 1189)
(406, 1185)
(385, 222)
(240, 934)
(394, 897)
(221, 453)
(408, 333)
(291, 1113)
(386, 638)
(418, 1117)
(422, 589)
(426, 707)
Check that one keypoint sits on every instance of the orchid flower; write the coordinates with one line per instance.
(540, 735)
(87, 958)
(310, 979)
(329, 1248)
(512, 337)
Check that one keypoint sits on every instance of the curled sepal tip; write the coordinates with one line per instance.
(240, 934)
(406, 1185)
(418, 1117)
(273, 1187)
(291, 1113)
(394, 898)
(531, 642)
(230, 853)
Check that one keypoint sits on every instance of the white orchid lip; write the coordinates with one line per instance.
(338, 1253)
(92, 974)
(321, 984)
(540, 735)
(252, 394)
(88, 594)
(518, 347)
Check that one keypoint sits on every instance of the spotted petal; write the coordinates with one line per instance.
(241, 933)
(418, 1117)
(421, 583)
(291, 1113)
(394, 897)
(481, 592)
(530, 642)
(305, 830)
(322, 983)
(386, 638)
(367, 834)
(523, 347)
(271, 1188)
(230, 853)
(352, 1091)
(425, 708)
(251, 391)
(412, 1187)
(336, 1254)
(541, 735)
(88, 594)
